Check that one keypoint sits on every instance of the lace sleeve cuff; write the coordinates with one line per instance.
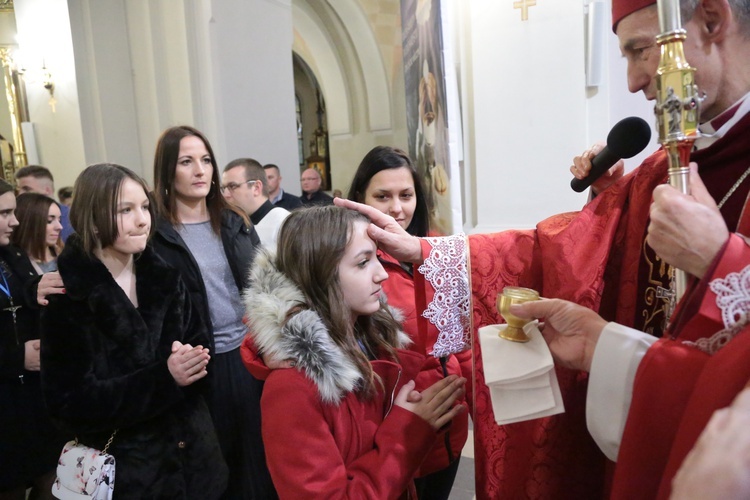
(446, 269)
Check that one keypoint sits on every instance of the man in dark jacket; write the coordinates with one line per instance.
(276, 194)
(312, 194)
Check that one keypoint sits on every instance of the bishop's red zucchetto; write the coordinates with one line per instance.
(623, 8)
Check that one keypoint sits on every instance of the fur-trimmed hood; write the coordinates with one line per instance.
(304, 337)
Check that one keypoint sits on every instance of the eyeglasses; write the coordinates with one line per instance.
(232, 186)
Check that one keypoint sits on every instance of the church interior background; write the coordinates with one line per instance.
(316, 83)
(104, 77)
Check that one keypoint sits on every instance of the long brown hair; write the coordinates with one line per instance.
(165, 164)
(32, 212)
(311, 245)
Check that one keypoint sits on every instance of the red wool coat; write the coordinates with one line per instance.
(335, 451)
(323, 438)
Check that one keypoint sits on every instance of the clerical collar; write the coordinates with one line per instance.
(716, 129)
(258, 215)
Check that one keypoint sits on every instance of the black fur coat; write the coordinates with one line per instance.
(105, 368)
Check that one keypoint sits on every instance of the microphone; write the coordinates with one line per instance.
(627, 138)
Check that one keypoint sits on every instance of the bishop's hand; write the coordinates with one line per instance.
(387, 233)
(686, 231)
(582, 166)
(571, 331)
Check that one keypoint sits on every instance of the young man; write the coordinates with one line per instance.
(243, 183)
(276, 194)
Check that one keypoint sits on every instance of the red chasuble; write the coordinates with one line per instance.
(688, 375)
(596, 258)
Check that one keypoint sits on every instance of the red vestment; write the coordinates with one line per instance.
(686, 376)
(595, 258)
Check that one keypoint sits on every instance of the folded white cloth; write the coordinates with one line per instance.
(521, 376)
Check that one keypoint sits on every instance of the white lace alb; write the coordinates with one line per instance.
(446, 269)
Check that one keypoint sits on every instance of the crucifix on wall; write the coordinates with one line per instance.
(524, 6)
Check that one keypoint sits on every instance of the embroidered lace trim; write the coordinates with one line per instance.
(733, 298)
(445, 268)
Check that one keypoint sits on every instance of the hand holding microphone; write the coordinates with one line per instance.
(626, 139)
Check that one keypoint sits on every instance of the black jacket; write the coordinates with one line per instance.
(289, 201)
(29, 441)
(240, 242)
(104, 367)
(27, 316)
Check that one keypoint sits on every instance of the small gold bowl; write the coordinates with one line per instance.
(514, 295)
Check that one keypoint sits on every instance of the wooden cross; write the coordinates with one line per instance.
(524, 6)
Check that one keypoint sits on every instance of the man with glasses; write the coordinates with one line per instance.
(312, 194)
(244, 185)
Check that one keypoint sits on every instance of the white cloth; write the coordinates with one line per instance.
(269, 226)
(618, 353)
(521, 376)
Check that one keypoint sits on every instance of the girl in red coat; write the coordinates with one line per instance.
(345, 420)
(387, 180)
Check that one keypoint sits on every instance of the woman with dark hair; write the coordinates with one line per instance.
(123, 351)
(29, 443)
(38, 232)
(387, 180)
(396, 188)
(213, 246)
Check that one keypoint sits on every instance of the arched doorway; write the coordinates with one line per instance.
(312, 123)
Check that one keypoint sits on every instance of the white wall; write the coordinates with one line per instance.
(251, 48)
(45, 38)
(527, 109)
(105, 83)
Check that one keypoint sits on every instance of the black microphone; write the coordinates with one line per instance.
(627, 138)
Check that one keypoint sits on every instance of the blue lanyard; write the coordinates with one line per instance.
(4, 285)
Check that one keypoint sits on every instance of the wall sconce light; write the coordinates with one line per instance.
(33, 74)
(49, 84)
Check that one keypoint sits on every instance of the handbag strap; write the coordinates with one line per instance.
(109, 442)
(106, 446)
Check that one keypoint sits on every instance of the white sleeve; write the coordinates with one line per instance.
(618, 353)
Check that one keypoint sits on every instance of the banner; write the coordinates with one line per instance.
(427, 108)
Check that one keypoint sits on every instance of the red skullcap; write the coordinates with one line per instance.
(623, 8)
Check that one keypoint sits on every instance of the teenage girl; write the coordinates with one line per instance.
(344, 421)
